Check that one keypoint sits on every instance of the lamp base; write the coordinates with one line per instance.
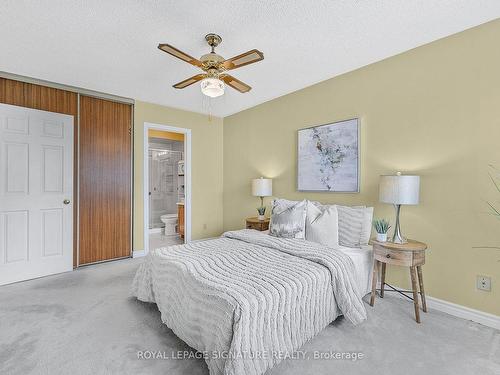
(397, 236)
(400, 241)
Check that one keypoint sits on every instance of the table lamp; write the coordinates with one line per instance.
(262, 187)
(399, 190)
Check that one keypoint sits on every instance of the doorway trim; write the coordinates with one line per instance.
(187, 178)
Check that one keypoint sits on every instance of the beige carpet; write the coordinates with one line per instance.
(83, 322)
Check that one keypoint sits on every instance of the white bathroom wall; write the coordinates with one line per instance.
(163, 180)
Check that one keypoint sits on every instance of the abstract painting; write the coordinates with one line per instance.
(328, 157)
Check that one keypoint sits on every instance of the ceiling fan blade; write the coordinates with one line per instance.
(246, 58)
(235, 83)
(189, 81)
(179, 54)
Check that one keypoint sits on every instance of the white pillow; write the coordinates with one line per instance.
(322, 225)
(366, 227)
(288, 219)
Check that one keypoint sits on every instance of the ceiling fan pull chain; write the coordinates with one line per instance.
(207, 106)
(210, 109)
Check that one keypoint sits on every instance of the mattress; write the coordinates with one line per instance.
(363, 264)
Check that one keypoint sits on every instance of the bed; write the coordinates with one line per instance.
(247, 300)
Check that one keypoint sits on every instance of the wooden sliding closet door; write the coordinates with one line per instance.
(105, 180)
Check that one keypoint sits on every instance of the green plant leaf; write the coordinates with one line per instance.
(495, 211)
(497, 186)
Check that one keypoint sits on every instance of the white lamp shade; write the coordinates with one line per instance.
(399, 189)
(212, 87)
(262, 187)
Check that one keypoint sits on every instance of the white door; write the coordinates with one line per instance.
(36, 193)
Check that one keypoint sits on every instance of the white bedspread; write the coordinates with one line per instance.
(248, 295)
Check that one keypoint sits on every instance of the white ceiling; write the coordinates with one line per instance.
(110, 45)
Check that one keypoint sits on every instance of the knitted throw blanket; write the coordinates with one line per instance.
(245, 297)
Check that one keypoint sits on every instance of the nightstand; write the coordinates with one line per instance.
(412, 255)
(255, 223)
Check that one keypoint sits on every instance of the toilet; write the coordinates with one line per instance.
(170, 221)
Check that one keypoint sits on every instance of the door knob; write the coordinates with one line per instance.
(66, 201)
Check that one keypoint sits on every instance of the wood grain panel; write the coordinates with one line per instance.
(47, 99)
(38, 97)
(12, 92)
(180, 216)
(105, 180)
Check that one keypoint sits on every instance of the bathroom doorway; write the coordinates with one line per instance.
(166, 186)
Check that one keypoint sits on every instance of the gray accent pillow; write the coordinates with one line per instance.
(366, 232)
(288, 219)
(351, 222)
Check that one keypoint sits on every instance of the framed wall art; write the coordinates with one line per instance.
(328, 157)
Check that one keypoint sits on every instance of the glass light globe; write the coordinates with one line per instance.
(212, 87)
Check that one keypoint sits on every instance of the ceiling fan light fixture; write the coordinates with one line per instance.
(212, 87)
(214, 67)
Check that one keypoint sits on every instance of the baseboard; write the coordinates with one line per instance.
(464, 312)
(459, 311)
(138, 253)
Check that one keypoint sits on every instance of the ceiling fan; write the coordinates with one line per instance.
(214, 66)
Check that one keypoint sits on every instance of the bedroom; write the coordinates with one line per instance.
(416, 86)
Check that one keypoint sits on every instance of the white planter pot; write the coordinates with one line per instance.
(382, 237)
(261, 217)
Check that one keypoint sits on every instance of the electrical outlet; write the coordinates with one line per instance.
(204, 226)
(483, 283)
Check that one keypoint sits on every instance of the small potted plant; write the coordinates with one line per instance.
(261, 210)
(381, 227)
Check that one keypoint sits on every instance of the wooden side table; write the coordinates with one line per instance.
(180, 218)
(412, 255)
(255, 223)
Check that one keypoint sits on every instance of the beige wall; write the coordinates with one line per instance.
(206, 167)
(433, 111)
